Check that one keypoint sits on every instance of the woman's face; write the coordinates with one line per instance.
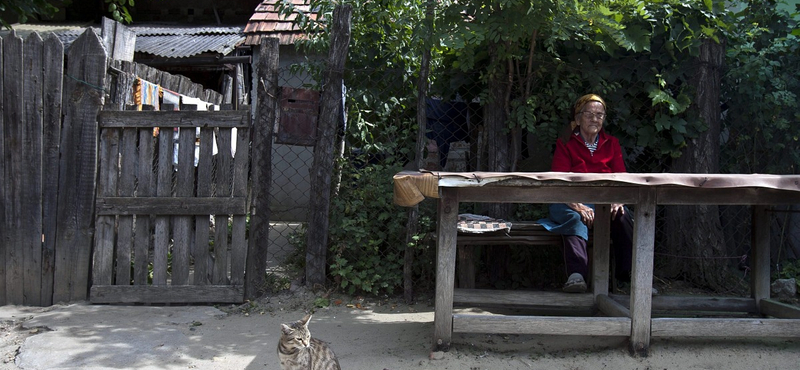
(590, 119)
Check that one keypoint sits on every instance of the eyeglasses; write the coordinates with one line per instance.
(600, 116)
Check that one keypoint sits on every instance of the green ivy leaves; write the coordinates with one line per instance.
(119, 10)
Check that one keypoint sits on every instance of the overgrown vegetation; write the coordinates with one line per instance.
(640, 55)
(367, 233)
(24, 10)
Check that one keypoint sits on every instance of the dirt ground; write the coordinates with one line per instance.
(364, 333)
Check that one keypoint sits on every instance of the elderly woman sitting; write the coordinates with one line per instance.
(585, 147)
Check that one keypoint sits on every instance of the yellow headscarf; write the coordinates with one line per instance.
(580, 103)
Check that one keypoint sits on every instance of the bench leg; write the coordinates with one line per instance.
(601, 250)
(642, 275)
(760, 264)
(445, 269)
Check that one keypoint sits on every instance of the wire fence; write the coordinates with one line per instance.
(380, 138)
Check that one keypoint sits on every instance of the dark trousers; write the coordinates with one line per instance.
(576, 256)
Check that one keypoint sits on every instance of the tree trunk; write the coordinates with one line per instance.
(694, 234)
(498, 157)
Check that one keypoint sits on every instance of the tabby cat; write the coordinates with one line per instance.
(297, 350)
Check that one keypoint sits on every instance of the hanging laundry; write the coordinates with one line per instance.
(205, 106)
(187, 100)
(146, 93)
(171, 97)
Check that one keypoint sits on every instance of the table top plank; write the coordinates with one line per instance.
(411, 187)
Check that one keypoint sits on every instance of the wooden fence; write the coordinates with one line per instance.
(71, 220)
(30, 124)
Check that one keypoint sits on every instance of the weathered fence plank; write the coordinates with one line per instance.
(166, 294)
(241, 162)
(78, 167)
(145, 188)
(183, 233)
(52, 87)
(30, 176)
(180, 119)
(172, 206)
(120, 40)
(163, 189)
(13, 115)
(127, 183)
(202, 224)
(261, 163)
(105, 225)
(224, 188)
(4, 239)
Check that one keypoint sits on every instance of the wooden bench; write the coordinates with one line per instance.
(521, 233)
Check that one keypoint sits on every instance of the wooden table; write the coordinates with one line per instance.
(645, 191)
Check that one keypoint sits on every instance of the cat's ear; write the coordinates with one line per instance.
(305, 319)
(286, 329)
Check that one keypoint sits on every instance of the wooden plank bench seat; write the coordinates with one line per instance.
(521, 233)
(528, 233)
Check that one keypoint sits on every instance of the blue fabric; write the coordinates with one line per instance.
(565, 221)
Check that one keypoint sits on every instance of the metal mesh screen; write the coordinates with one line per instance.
(380, 138)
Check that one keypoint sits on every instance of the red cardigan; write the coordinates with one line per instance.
(574, 156)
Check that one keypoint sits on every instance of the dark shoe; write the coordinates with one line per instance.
(575, 284)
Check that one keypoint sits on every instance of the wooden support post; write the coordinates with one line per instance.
(445, 268)
(642, 275)
(601, 259)
(266, 88)
(778, 309)
(611, 307)
(322, 169)
(760, 282)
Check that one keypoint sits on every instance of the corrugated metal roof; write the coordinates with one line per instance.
(181, 46)
(66, 32)
(144, 30)
(266, 21)
(183, 41)
(160, 40)
(67, 37)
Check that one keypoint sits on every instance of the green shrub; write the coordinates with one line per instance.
(367, 231)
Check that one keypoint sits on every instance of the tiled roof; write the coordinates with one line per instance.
(267, 22)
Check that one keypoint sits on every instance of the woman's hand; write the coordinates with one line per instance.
(587, 214)
(617, 209)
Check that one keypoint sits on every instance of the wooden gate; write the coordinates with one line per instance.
(171, 222)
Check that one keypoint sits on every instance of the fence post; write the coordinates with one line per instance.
(321, 171)
(84, 89)
(266, 88)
